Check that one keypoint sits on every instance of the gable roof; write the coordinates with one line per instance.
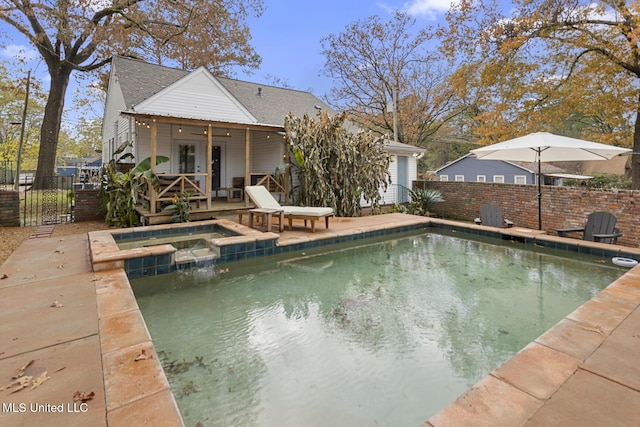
(140, 81)
(198, 95)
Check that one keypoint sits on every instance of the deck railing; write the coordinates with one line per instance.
(175, 185)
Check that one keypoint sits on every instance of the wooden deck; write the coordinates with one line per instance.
(219, 207)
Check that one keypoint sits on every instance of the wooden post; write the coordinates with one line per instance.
(247, 158)
(209, 166)
(154, 144)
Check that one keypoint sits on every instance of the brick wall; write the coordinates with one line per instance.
(562, 207)
(87, 206)
(9, 209)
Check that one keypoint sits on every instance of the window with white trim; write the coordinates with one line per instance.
(459, 178)
(444, 177)
(499, 179)
(481, 178)
(520, 179)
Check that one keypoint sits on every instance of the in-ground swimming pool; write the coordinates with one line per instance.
(379, 335)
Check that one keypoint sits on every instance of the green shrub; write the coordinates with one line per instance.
(602, 181)
(422, 200)
(119, 191)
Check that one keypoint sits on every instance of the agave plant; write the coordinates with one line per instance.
(423, 199)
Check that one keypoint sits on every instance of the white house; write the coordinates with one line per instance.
(218, 133)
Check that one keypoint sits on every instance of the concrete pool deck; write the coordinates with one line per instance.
(84, 329)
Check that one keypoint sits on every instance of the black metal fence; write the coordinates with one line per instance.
(46, 200)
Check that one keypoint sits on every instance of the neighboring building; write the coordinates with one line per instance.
(469, 168)
(403, 168)
(215, 129)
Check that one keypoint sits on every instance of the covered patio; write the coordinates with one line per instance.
(227, 164)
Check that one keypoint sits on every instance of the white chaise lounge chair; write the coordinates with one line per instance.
(261, 197)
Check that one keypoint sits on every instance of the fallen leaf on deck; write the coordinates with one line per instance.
(58, 251)
(20, 371)
(4, 276)
(61, 266)
(82, 397)
(56, 304)
(38, 381)
(143, 356)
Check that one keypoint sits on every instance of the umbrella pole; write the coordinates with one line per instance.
(539, 195)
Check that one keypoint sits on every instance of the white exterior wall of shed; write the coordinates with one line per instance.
(391, 194)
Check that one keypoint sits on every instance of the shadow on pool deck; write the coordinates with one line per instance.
(85, 330)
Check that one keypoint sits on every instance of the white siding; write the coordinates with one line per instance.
(390, 196)
(115, 128)
(163, 147)
(266, 155)
(197, 95)
(234, 159)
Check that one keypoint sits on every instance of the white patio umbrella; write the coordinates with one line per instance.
(547, 147)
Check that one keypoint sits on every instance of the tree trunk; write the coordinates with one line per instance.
(635, 154)
(51, 123)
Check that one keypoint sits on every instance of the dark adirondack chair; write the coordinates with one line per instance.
(600, 227)
(491, 216)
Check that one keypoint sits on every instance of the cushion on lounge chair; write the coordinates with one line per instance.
(263, 199)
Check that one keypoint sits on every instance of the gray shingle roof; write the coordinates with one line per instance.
(269, 104)
(140, 80)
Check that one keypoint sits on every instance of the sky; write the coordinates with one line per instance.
(286, 36)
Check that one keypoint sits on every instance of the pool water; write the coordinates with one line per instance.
(383, 334)
(179, 241)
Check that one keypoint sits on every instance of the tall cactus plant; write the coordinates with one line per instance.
(334, 166)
